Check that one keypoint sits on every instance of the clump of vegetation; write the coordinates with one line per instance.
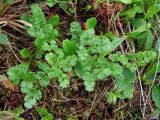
(84, 56)
(89, 57)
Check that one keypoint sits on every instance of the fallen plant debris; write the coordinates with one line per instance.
(7, 83)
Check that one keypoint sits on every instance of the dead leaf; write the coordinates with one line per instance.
(7, 83)
(118, 7)
(4, 115)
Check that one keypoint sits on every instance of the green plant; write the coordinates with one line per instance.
(43, 31)
(125, 82)
(18, 112)
(85, 55)
(155, 95)
(156, 98)
(64, 4)
(3, 39)
(140, 15)
(142, 19)
(45, 115)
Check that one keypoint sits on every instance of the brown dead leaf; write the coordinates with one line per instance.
(118, 7)
(7, 83)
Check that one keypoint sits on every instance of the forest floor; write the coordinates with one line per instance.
(74, 103)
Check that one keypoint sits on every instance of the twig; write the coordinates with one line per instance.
(75, 12)
(24, 23)
(13, 52)
(96, 101)
(123, 34)
(142, 94)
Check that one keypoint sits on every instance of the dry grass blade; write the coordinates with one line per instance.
(98, 99)
(24, 22)
(16, 24)
(4, 115)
